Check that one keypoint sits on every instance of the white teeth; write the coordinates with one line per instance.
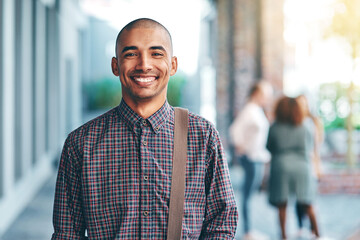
(148, 79)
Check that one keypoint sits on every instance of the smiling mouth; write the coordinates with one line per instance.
(144, 79)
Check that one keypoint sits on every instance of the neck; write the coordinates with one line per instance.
(144, 108)
(255, 101)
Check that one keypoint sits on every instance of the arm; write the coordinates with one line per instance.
(246, 133)
(317, 164)
(68, 217)
(236, 134)
(318, 139)
(221, 214)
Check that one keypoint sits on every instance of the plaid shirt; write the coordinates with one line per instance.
(114, 179)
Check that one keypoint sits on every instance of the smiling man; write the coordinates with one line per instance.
(115, 171)
(144, 64)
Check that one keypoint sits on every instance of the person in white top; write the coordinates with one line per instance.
(248, 134)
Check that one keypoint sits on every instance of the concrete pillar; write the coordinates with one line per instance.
(25, 155)
(25, 66)
(1, 103)
(40, 80)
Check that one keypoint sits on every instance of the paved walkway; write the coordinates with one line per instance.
(35, 222)
(338, 215)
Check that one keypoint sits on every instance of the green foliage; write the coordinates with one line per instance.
(102, 94)
(175, 86)
(106, 93)
(334, 105)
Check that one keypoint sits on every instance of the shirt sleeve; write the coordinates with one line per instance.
(235, 130)
(221, 214)
(68, 217)
(244, 132)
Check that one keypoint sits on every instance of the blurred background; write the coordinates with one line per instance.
(55, 75)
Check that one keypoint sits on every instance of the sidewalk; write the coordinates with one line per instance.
(338, 215)
(35, 222)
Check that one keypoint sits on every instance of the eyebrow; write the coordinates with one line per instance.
(135, 48)
(158, 48)
(128, 48)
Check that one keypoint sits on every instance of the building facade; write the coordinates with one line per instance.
(249, 48)
(40, 94)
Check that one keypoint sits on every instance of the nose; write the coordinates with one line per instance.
(144, 63)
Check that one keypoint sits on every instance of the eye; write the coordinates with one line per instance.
(129, 54)
(158, 54)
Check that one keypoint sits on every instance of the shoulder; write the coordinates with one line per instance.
(200, 123)
(202, 129)
(79, 135)
(309, 123)
(251, 108)
(275, 125)
(249, 113)
(279, 128)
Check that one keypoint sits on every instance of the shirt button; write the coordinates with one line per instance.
(157, 128)
(146, 213)
(144, 143)
(144, 122)
(146, 177)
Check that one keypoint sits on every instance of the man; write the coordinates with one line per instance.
(115, 171)
(249, 133)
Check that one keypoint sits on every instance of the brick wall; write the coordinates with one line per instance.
(249, 48)
(345, 182)
(224, 67)
(273, 42)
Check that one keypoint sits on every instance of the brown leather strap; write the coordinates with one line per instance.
(177, 194)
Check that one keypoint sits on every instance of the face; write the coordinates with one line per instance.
(144, 65)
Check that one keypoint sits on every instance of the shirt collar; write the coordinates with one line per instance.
(156, 120)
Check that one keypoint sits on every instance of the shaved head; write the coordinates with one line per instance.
(141, 23)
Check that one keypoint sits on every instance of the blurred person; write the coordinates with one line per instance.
(291, 144)
(318, 128)
(115, 172)
(249, 134)
(316, 125)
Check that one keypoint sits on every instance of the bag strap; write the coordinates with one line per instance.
(177, 194)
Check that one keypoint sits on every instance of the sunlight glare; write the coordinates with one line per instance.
(314, 59)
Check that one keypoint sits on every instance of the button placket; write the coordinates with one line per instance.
(145, 179)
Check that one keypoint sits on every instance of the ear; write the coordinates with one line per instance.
(174, 65)
(114, 66)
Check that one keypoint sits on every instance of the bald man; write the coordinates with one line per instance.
(115, 172)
